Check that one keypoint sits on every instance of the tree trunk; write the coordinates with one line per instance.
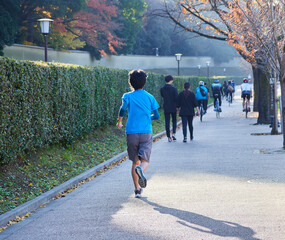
(30, 30)
(261, 96)
(282, 83)
(255, 87)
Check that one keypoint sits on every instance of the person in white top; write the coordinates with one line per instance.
(246, 92)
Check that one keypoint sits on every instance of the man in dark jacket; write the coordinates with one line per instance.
(169, 95)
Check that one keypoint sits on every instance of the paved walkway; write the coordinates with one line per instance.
(226, 184)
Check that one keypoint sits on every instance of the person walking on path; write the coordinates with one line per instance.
(201, 95)
(169, 95)
(140, 104)
(207, 100)
(186, 104)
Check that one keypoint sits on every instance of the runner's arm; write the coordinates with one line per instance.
(198, 112)
(121, 114)
(155, 115)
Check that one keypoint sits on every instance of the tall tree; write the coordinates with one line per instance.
(96, 26)
(31, 10)
(169, 39)
(130, 17)
(81, 24)
(254, 27)
(213, 19)
(9, 25)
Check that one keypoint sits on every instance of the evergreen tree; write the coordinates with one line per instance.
(130, 17)
(9, 11)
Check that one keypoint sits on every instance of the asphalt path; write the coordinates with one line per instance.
(225, 184)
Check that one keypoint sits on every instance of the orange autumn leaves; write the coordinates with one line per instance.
(244, 24)
(94, 26)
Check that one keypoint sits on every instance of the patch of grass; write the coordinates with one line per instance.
(28, 177)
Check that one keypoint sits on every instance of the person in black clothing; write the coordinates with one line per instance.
(225, 89)
(206, 100)
(187, 102)
(169, 95)
(217, 92)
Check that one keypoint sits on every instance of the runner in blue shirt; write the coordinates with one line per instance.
(140, 105)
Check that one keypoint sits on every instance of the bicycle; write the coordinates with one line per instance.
(247, 108)
(230, 100)
(201, 109)
(217, 107)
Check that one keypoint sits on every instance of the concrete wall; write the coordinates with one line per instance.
(24, 52)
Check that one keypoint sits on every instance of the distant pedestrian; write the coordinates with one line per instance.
(169, 95)
(140, 104)
(187, 103)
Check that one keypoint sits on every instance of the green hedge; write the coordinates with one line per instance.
(48, 103)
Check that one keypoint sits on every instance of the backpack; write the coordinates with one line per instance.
(203, 92)
(230, 88)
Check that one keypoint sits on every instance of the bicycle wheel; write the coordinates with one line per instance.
(201, 112)
(230, 99)
(217, 109)
(246, 109)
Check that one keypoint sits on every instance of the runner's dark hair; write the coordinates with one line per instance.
(137, 79)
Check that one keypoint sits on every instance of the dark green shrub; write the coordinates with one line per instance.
(48, 103)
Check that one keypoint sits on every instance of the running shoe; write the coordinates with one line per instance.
(169, 139)
(185, 139)
(173, 138)
(138, 193)
(142, 179)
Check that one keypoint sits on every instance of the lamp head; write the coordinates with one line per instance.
(45, 25)
(178, 56)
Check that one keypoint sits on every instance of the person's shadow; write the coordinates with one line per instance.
(201, 223)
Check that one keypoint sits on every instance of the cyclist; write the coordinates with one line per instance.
(208, 97)
(217, 91)
(246, 92)
(234, 85)
(225, 89)
(201, 95)
(230, 91)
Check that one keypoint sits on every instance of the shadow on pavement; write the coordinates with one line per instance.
(201, 223)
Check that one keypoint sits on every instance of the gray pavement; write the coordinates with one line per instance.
(226, 184)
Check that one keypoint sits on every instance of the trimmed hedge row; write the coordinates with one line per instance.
(48, 103)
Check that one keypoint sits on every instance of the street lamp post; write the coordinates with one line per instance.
(156, 52)
(199, 69)
(178, 59)
(208, 68)
(45, 26)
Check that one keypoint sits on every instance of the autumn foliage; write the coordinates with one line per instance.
(245, 24)
(94, 26)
